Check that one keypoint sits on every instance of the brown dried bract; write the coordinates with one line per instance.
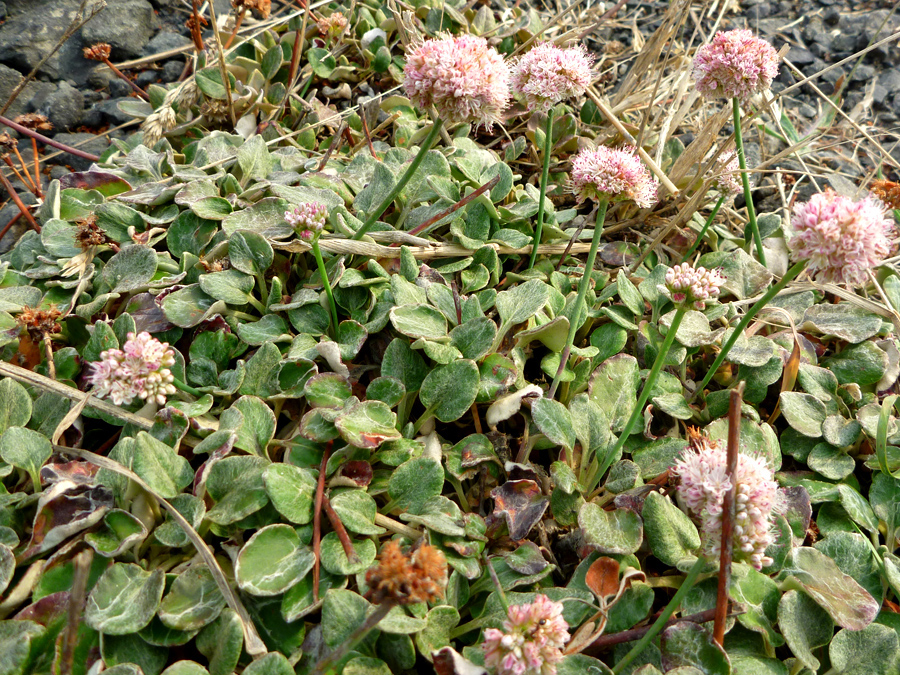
(262, 7)
(7, 143)
(404, 578)
(98, 52)
(34, 121)
(887, 191)
(39, 322)
(88, 234)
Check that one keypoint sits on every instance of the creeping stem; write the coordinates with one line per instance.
(539, 226)
(413, 167)
(745, 180)
(582, 292)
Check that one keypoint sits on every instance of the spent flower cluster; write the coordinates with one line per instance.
(727, 174)
(308, 219)
(531, 641)
(842, 239)
(139, 370)
(704, 483)
(736, 64)
(466, 80)
(407, 578)
(692, 288)
(613, 174)
(547, 75)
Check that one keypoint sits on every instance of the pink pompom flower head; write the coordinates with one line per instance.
(139, 370)
(704, 483)
(308, 220)
(613, 174)
(842, 239)
(531, 641)
(692, 288)
(547, 75)
(736, 64)
(466, 80)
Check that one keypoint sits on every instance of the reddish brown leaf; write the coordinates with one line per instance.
(521, 504)
(603, 577)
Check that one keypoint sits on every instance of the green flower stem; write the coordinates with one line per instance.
(257, 305)
(329, 662)
(317, 252)
(413, 167)
(709, 221)
(263, 291)
(582, 292)
(539, 226)
(186, 388)
(648, 386)
(745, 179)
(745, 321)
(663, 618)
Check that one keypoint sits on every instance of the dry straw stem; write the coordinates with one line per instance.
(252, 642)
(223, 71)
(437, 251)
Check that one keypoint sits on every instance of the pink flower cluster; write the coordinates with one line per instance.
(462, 77)
(531, 641)
(614, 174)
(308, 219)
(704, 483)
(547, 75)
(736, 64)
(692, 288)
(842, 239)
(728, 177)
(139, 370)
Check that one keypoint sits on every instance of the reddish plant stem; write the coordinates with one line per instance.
(15, 197)
(36, 186)
(334, 146)
(137, 90)
(29, 184)
(365, 126)
(196, 35)
(317, 520)
(237, 24)
(12, 222)
(340, 530)
(37, 167)
(48, 141)
(633, 634)
(456, 207)
(727, 548)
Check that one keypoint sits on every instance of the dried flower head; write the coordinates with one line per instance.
(736, 64)
(547, 75)
(407, 578)
(7, 143)
(692, 288)
(214, 110)
(531, 641)
(34, 121)
(98, 52)
(39, 322)
(308, 219)
(842, 239)
(704, 483)
(727, 174)
(139, 370)
(88, 234)
(262, 7)
(614, 174)
(331, 27)
(462, 77)
(887, 191)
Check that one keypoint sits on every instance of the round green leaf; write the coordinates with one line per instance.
(874, 650)
(327, 390)
(272, 561)
(15, 405)
(193, 601)
(368, 424)
(805, 626)
(250, 252)
(357, 511)
(618, 531)
(25, 449)
(450, 390)
(419, 321)
(671, 534)
(124, 599)
(292, 491)
(414, 482)
(335, 561)
(554, 421)
(129, 269)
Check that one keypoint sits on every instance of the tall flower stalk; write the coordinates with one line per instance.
(728, 186)
(688, 288)
(840, 240)
(737, 65)
(308, 221)
(465, 80)
(604, 175)
(543, 77)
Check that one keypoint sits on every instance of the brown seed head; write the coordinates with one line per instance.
(39, 322)
(887, 191)
(34, 121)
(262, 7)
(407, 578)
(98, 52)
(88, 234)
(7, 143)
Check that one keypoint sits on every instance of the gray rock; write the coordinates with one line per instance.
(879, 95)
(172, 70)
(863, 73)
(890, 80)
(800, 57)
(807, 111)
(30, 34)
(91, 143)
(9, 80)
(118, 88)
(164, 41)
(3, 10)
(64, 107)
(20, 227)
(146, 78)
(110, 113)
(57, 172)
(126, 25)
